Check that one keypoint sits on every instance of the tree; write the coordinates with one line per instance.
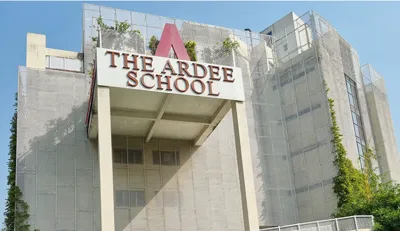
(363, 192)
(16, 212)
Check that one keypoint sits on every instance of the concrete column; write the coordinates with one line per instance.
(105, 159)
(245, 167)
(36, 51)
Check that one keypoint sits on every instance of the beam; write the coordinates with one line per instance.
(160, 113)
(187, 118)
(149, 116)
(145, 115)
(216, 118)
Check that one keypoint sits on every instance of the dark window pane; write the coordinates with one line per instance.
(121, 198)
(359, 132)
(132, 196)
(356, 130)
(360, 149)
(140, 199)
(178, 161)
(118, 199)
(156, 157)
(135, 156)
(120, 155)
(139, 157)
(167, 158)
(353, 90)
(362, 163)
(348, 85)
(356, 118)
(351, 100)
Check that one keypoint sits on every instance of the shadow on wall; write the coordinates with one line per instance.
(57, 169)
(200, 192)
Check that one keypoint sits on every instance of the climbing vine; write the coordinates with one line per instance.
(363, 192)
(349, 182)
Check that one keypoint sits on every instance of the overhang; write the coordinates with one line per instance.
(164, 111)
(160, 115)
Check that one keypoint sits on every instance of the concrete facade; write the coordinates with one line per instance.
(284, 119)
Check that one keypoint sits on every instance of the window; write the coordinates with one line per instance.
(127, 199)
(131, 156)
(356, 117)
(61, 63)
(166, 158)
(269, 33)
(135, 156)
(120, 156)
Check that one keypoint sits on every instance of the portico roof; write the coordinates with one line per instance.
(159, 115)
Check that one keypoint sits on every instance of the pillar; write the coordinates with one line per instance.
(105, 159)
(245, 167)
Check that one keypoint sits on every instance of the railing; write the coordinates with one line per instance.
(361, 222)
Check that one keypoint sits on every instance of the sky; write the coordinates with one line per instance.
(372, 28)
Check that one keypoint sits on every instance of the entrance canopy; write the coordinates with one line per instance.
(157, 97)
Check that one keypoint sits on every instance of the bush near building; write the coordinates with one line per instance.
(16, 213)
(363, 192)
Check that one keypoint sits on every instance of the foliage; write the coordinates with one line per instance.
(189, 45)
(349, 182)
(228, 45)
(16, 212)
(191, 50)
(223, 51)
(120, 27)
(153, 44)
(363, 192)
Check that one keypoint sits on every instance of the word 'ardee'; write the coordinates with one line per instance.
(196, 76)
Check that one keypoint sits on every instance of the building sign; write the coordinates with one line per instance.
(166, 75)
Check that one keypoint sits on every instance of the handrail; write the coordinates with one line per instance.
(318, 221)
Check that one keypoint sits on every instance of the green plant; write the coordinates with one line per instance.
(120, 27)
(191, 50)
(363, 192)
(229, 45)
(153, 44)
(16, 212)
(189, 45)
(349, 182)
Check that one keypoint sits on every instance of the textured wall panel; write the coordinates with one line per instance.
(54, 109)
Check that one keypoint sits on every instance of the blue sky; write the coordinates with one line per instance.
(372, 28)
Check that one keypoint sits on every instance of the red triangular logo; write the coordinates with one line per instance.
(170, 38)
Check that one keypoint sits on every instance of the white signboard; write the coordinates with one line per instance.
(159, 74)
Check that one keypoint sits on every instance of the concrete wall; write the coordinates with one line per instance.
(57, 166)
(201, 193)
(382, 125)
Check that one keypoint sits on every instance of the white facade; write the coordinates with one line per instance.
(172, 162)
